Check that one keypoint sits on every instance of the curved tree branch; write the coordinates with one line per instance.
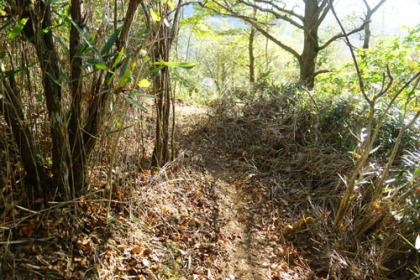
(283, 10)
(276, 14)
(372, 11)
(254, 23)
(321, 72)
(342, 35)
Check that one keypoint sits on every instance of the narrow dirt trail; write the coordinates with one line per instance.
(243, 257)
(246, 258)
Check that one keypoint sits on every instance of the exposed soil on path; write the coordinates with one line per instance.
(243, 256)
(254, 248)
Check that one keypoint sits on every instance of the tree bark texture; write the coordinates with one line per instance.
(366, 40)
(251, 56)
(162, 88)
(39, 20)
(78, 159)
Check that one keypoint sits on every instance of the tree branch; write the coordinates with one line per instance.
(254, 23)
(131, 11)
(283, 10)
(271, 11)
(342, 35)
(372, 11)
(324, 13)
(356, 65)
(321, 72)
(174, 29)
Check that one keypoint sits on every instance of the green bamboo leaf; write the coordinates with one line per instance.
(155, 15)
(84, 76)
(416, 172)
(64, 77)
(83, 49)
(136, 103)
(101, 66)
(132, 118)
(9, 74)
(170, 4)
(61, 43)
(108, 56)
(183, 65)
(84, 36)
(58, 82)
(156, 70)
(38, 97)
(125, 65)
(111, 78)
(143, 95)
(111, 41)
(18, 28)
(117, 61)
(126, 77)
(108, 132)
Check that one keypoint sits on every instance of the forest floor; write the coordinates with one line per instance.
(218, 211)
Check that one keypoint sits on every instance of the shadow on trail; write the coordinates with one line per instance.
(246, 255)
(231, 149)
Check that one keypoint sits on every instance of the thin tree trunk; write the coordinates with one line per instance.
(12, 111)
(366, 40)
(162, 83)
(78, 168)
(369, 14)
(48, 58)
(251, 56)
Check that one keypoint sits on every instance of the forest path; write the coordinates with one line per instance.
(244, 254)
(246, 257)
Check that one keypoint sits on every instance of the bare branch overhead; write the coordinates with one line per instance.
(276, 14)
(372, 11)
(254, 23)
(341, 35)
(283, 10)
